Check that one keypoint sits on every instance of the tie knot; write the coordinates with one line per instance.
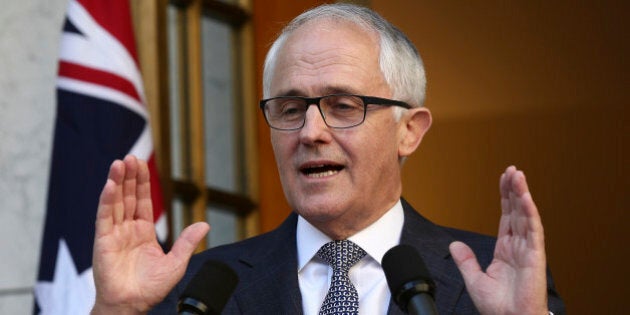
(341, 254)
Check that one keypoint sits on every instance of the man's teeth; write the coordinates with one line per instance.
(323, 173)
(322, 170)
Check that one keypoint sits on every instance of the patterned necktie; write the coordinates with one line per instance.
(342, 297)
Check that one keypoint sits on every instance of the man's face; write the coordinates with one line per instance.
(340, 180)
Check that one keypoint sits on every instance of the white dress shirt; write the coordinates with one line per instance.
(367, 275)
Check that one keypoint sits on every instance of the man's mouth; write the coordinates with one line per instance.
(323, 170)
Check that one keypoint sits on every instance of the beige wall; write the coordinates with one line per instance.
(29, 45)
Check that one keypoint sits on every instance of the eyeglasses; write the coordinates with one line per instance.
(338, 110)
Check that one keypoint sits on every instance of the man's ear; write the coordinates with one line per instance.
(413, 125)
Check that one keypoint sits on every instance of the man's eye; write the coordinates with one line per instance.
(289, 109)
(345, 107)
(344, 104)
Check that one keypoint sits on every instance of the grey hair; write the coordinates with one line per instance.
(399, 60)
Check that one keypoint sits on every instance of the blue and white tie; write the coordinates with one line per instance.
(342, 297)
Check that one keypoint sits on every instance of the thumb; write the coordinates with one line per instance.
(188, 240)
(466, 262)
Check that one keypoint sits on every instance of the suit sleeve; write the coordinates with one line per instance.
(555, 303)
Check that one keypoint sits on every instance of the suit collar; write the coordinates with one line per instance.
(277, 261)
(431, 242)
(429, 239)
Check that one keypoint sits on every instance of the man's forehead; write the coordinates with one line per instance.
(324, 90)
(338, 27)
(326, 58)
(354, 79)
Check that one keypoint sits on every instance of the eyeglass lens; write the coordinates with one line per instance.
(338, 111)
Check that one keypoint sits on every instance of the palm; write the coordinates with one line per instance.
(130, 268)
(515, 281)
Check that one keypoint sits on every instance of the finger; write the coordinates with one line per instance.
(504, 183)
(516, 203)
(529, 224)
(104, 214)
(110, 198)
(188, 241)
(466, 262)
(144, 210)
(519, 217)
(516, 207)
(129, 186)
(505, 187)
(506, 209)
(117, 174)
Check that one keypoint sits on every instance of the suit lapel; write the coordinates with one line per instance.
(273, 287)
(432, 242)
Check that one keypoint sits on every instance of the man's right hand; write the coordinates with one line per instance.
(131, 272)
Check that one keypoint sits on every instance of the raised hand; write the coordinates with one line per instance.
(515, 282)
(131, 272)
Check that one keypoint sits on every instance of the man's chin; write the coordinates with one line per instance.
(319, 213)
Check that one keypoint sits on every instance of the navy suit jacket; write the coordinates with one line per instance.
(267, 269)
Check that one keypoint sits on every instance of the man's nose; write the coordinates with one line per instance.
(315, 128)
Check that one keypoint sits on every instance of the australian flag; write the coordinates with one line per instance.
(101, 116)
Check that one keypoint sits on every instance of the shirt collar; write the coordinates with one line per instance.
(375, 239)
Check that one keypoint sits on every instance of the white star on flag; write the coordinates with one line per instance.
(69, 292)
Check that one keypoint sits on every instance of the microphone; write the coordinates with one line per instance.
(409, 280)
(209, 290)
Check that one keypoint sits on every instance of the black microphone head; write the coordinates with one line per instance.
(406, 274)
(209, 290)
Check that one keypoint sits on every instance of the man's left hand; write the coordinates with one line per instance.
(515, 281)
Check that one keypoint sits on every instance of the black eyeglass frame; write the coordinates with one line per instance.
(367, 100)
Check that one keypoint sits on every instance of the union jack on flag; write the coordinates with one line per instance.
(101, 116)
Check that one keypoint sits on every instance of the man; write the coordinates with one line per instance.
(340, 165)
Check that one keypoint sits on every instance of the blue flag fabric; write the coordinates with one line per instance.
(101, 117)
